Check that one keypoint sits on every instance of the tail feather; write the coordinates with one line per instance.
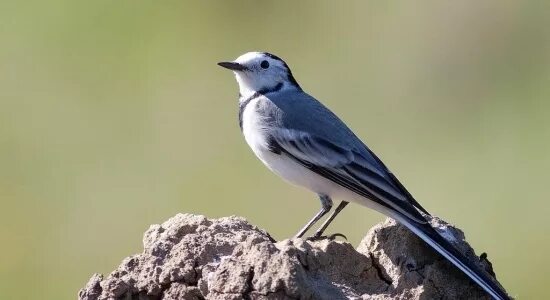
(445, 248)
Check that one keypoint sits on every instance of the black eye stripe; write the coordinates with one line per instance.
(264, 64)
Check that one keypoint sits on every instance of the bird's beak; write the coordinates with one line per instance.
(232, 66)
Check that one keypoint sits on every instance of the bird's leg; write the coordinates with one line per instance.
(338, 209)
(326, 205)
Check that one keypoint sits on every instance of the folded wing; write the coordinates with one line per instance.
(351, 168)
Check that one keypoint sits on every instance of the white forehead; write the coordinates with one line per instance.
(251, 56)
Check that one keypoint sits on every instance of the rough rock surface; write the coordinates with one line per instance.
(192, 257)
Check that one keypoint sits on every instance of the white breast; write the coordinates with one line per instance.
(253, 128)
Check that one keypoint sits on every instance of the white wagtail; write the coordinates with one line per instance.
(302, 141)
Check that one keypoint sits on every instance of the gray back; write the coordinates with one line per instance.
(295, 109)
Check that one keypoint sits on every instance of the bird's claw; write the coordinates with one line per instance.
(331, 237)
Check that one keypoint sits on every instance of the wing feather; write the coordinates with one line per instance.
(347, 167)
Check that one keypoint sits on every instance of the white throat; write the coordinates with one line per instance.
(245, 88)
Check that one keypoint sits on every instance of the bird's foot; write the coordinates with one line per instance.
(331, 237)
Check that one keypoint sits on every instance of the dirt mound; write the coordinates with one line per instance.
(193, 257)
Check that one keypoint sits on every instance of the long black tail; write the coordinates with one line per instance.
(441, 245)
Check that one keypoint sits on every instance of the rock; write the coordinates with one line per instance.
(192, 257)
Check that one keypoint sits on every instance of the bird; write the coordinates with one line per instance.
(305, 143)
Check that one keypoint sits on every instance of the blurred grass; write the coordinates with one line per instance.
(114, 116)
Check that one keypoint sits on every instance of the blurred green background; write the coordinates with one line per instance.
(114, 116)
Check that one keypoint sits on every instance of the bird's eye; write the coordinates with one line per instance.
(264, 64)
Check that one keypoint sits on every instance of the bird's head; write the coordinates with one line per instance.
(260, 72)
